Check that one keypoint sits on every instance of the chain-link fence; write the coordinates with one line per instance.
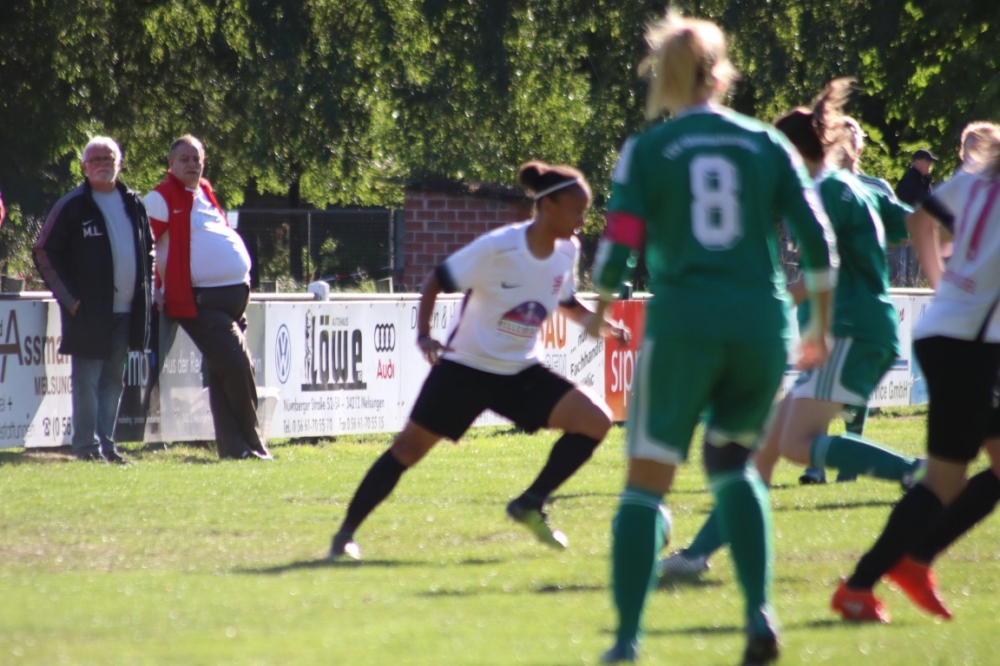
(342, 247)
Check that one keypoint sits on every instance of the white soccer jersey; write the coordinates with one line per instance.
(510, 293)
(965, 304)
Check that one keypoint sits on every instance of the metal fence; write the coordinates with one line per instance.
(904, 270)
(342, 247)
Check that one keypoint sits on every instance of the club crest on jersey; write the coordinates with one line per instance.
(557, 283)
(524, 320)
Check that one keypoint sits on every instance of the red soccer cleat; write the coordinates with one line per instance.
(917, 581)
(858, 605)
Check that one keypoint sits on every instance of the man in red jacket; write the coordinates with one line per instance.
(203, 269)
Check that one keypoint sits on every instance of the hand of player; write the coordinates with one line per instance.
(813, 351)
(617, 331)
(431, 348)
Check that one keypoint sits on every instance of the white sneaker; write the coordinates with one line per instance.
(680, 565)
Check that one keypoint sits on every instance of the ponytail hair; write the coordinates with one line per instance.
(685, 56)
(543, 180)
(814, 130)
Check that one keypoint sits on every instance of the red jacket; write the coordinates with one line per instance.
(177, 294)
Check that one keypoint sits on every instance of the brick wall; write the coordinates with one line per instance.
(440, 218)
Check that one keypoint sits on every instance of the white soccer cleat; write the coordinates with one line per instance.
(680, 565)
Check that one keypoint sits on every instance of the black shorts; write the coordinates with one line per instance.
(454, 395)
(961, 378)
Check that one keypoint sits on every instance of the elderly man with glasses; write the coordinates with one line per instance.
(95, 254)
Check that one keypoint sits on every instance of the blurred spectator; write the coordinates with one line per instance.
(915, 185)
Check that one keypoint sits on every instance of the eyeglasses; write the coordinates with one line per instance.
(102, 160)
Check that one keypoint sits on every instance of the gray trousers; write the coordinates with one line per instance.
(219, 333)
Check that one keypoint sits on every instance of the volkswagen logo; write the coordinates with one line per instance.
(385, 337)
(283, 353)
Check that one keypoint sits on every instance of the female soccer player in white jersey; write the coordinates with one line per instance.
(513, 279)
(864, 327)
(957, 343)
(702, 192)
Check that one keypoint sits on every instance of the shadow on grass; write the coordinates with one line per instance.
(330, 564)
(688, 631)
(858, 504)
(559, 588)
(668, 585)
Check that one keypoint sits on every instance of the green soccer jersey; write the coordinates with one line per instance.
(865, 221)
(709, 186)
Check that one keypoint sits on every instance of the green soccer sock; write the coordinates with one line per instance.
(708, 540)
(855, 455)
(744, 517)
(637, 537)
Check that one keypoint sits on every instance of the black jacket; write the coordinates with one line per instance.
(913, 187)
(73, 256)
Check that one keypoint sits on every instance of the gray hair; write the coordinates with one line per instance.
(103, 141)
(189, 140)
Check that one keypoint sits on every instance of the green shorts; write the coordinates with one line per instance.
(849, 376)
(734, 384)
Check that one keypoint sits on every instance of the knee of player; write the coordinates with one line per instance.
(596, 421)
(727, 457)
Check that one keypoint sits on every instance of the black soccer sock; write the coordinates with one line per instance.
(906, 525)
(974, 503)
(568, 454)
(381, 478)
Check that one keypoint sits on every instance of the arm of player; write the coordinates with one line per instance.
(924, 239)
(614, 261)
(580, 314)
(429, 347)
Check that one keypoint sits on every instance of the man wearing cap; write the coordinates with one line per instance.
(915, 186)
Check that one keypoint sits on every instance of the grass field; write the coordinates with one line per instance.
(180, 559)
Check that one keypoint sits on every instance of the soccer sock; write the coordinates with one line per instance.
(708, 540)
(744, 517)
(976, 501)
(855, 455)
(381, 478)
(855, 419)
(568, 454)
(637, 537)
(906, 525)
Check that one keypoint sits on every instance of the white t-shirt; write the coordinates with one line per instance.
(965, 303)
(510, 294)
(219, 258)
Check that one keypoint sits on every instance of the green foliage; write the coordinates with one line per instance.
(341, 101)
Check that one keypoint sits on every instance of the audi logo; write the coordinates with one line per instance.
(385, 337)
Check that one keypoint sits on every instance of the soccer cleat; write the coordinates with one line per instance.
(917, 582)
(344, 546)
(537, 523)
(858, 605)
(915, 474)
(846, 477)
(680, 565)
(813, 475)
(621, 653)
(761, 650)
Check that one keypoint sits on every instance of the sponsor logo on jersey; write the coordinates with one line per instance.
(524, 320)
